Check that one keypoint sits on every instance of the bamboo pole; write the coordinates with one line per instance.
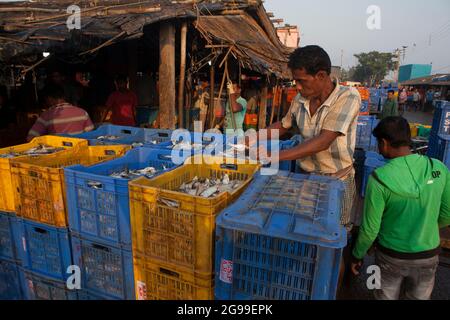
(182, 75)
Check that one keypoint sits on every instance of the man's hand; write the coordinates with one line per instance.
(355, 266)
(230, 87)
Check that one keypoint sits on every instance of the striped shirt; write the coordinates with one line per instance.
(62, 118)
(338, 114)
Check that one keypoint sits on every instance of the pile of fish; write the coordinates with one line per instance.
(108, 137)
(207, 188)
(148, 172)
(41, 149)
(184, 145)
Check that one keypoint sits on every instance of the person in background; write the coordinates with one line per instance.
(416, 100)
(60, 117)
(429, 97)
(121, 104)
(390, 107)
(201, 97)
(238, 105)
(406, 203)
(402, 99)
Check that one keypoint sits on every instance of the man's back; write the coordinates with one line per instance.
(411, 196)
(62, 118)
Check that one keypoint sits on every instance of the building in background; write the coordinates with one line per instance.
(414, 71)
(289, 36)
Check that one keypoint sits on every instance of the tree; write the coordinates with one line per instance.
(373, 66)
(348, 74)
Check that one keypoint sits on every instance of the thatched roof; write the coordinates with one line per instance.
(29, 28)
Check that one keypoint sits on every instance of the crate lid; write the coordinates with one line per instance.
(297, 207)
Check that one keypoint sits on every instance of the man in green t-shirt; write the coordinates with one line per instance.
(407, 201)
(234, 121)
(390, 107)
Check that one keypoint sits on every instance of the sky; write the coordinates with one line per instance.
(341, 25)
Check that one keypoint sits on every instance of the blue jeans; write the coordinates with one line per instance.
(416, 277)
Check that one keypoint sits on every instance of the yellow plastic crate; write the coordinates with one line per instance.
(6, 188)
(414, 129)
(181, 235)
(39, 187)
(154, 281)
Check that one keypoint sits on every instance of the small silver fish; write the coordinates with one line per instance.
(209, 192)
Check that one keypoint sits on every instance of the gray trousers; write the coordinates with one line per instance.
(416, 276)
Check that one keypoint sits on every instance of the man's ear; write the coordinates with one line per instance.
(321, 75)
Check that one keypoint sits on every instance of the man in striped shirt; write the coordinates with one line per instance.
(325, 114)
(61, 117)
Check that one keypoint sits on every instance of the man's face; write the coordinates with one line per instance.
(308, 85)
(236, 89)
(391, 96)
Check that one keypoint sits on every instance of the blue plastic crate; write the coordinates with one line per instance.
(38, 287)
(98, 205)
(373, 161)
(45, 249)
(442, 149)
(10, 281)
(281, 240)
(127, 135)
(87, 295)
(105, 270)
(9, 233)
(364, 137)
(441, 119)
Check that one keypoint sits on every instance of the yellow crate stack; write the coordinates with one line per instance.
(38, 182)
(6, 187)
(173, 232)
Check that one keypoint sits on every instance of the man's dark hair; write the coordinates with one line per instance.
(53, 91)
(395, 130)
(311, 58)
(391, 91)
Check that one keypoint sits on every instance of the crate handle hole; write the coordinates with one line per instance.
(67, 144)
(125, 131)
(40, 230)
(100, 247)
(229, 166)
(163, 134)
(95, 185)
(169, 272)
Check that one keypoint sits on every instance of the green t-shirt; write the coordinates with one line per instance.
(390, 109)
(238, 116)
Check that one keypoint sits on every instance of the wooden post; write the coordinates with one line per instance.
(167, 95)
(263, 109)
(212, 84)
(182, 75)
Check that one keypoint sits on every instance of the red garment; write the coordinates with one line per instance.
(123, 106)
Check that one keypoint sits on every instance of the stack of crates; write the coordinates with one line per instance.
(99, 221)
(365, 97)
(374, 99)
(44, 239)
(10, 264)
(282, 240)
(373, 161)
(111, 134)
(365, 140)
(173, 232)
(439, 141)
(17, 251)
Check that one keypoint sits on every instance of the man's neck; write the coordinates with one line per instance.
(401, 152)
(326, 93)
